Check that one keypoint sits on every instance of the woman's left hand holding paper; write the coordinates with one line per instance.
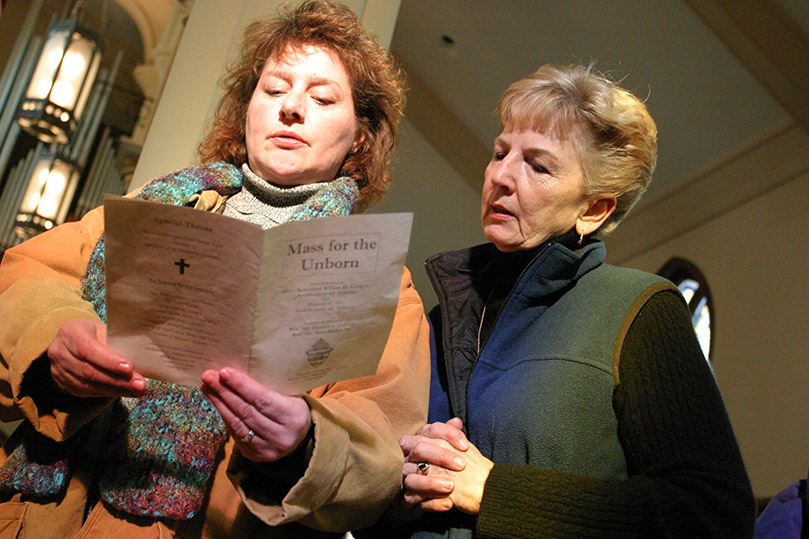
(265, 424)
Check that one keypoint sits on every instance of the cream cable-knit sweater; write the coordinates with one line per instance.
(267, 205)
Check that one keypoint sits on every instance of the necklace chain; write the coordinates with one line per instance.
(483, 316)
(480, 326)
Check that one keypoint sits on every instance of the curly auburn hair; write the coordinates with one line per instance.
(377, 86)
(612, 129)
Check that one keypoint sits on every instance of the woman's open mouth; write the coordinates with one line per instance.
(500, 212)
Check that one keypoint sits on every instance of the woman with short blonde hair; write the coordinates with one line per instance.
(569, 397)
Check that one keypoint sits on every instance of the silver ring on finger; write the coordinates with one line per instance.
(247, 437)
(422, 468)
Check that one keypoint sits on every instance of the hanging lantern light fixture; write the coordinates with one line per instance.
(48, 196)
(61, 82)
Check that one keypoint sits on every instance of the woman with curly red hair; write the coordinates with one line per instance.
(305, 130)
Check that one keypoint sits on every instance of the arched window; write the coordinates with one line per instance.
(692, 284)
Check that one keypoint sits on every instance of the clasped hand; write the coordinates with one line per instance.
(83, 365)
(457, 472)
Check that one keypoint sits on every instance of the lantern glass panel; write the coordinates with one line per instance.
(76, 63)
(53, 194)
(85, 91)
(72, 175)
(38, 180)
(44, 73)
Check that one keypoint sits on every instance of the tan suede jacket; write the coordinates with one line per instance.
(355, 468)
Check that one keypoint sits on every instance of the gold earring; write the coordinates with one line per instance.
(581, 238)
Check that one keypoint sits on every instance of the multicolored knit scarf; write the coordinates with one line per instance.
(162, 448)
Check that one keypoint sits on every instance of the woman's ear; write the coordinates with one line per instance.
(598, 210)
(359, 138)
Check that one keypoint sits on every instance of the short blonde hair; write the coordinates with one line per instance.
(611, 128)
(377, 86)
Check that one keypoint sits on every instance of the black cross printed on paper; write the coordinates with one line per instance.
(182, 265)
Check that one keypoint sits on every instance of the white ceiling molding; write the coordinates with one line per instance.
(445, 131)
(776, 159)
(769, 43)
